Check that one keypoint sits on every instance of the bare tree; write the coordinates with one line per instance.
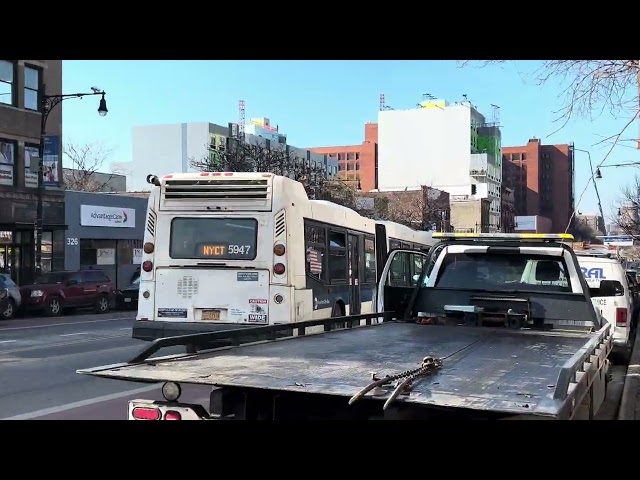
(86, 161)
(626, 214)
(591, 87)
(241, 156)
(422, 209)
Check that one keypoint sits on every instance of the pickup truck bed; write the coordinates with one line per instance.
(489, 369)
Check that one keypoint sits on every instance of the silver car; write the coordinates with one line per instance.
(15, 299)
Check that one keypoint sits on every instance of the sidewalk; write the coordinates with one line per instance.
(630, 403)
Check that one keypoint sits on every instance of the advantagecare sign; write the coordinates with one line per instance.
(97, 216)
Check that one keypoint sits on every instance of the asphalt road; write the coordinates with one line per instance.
(39, 358)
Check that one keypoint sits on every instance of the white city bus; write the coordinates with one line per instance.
(232, 250)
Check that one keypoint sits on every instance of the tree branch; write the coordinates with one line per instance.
(86, 161)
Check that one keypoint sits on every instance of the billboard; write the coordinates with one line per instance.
(617, 240)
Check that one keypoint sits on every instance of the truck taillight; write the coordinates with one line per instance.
(621, 317)
(147, 266)
(144, 413)
(172, 415)
(148, 247)
(278, 269)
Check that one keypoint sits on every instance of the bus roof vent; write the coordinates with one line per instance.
(220, 193)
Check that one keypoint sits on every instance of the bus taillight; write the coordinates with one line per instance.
(147, 266)
(148, 247)
(278, 269)
(279, 250)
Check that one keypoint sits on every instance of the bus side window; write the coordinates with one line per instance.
(315, 249)
(337, 257)
(369, 260)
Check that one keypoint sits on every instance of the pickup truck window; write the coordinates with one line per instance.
(405, 270)
(503, 272)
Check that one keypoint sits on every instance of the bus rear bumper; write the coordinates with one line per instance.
(152, 330)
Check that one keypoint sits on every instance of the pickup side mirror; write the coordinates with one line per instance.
(611, 288)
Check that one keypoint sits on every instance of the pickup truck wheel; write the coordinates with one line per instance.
(102, 304)
(53, 307)
(9, 311)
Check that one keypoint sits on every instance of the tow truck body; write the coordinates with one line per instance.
(449, 352)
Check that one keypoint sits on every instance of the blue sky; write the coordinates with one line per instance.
(321, 103)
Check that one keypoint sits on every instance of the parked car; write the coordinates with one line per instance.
(128, 297)
(13, 298)
(54, 292)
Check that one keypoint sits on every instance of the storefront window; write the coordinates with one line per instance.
(125, 251)
(97, 252)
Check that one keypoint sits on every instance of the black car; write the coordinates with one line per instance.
(128, 297)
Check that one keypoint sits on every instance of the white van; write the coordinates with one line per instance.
(611, 296)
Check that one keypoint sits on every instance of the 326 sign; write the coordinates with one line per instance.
(72, 241)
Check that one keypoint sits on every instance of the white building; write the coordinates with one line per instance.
(165, 149)
(450, 147)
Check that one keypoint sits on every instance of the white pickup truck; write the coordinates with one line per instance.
(612, 296)
(503, 328)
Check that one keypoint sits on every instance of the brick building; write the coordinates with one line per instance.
(421, 208)
(21, 81)
(508, 210)
(357, 162)
(542, 177)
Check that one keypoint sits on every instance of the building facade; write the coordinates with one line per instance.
(21, 82)
(470, 215)
(508, 210)
(451, 147)
(357, 163)
(165, 149)
(105, 232)
(542, 177)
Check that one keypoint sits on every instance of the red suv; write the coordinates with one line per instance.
(54, 292)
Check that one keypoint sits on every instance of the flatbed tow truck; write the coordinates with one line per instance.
(490, 326)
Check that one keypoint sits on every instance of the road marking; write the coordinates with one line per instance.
(72, 334)
(125, 328)
(68, 323)
(7, 341)
(82, 403)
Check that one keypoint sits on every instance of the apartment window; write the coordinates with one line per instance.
(545, 156)
(341, 166)
(31, 87)
(351, 156)
(515, 157)
(340, 156)
(357, 155)
(524, 156)
(357, 165)
(7, 77)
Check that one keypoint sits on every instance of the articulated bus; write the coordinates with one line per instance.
(231, 250)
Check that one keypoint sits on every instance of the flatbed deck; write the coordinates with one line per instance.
(516, 372)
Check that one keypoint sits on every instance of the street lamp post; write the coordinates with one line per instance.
(594, 176)
(48, 103)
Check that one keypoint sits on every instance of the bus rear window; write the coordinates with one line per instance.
(214, 238)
